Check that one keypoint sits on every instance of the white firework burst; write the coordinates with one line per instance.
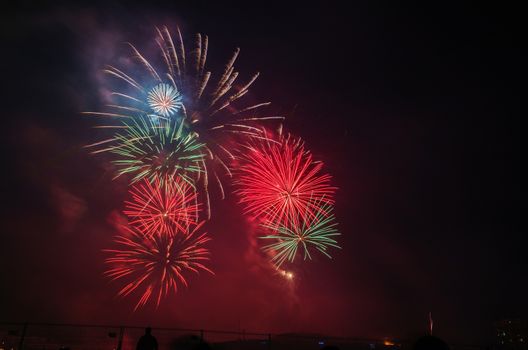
(164, 100)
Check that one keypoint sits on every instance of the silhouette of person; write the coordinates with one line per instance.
(147, 341)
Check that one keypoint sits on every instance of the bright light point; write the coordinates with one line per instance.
(388, 343)
(164, 99)
(286, 274)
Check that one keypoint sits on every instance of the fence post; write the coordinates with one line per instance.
(120, 339)
(23, 336)
(269, 340)
(202, 335)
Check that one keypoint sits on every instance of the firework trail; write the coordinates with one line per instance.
(315, 232)
(279, 182)
(153, 268)
(168, 207)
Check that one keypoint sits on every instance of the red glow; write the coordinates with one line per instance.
(279, 181)
(166, 207)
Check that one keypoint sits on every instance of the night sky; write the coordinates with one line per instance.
(415, 112)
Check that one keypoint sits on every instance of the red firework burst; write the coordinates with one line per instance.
(155, 266)
(278, 181)
(162, 207)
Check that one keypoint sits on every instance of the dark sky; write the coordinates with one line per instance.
(415, 111)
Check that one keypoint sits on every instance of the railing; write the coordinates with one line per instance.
(29, 336)
(48, 336)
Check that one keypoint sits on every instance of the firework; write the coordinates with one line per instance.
(173, 128)
(153, 268)
(164, 100)
(316, 232)
(182, 88)
(162, 207)
(279, 182)
(149, 149)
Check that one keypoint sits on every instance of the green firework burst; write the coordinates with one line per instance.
(150, 149)
(303, 235)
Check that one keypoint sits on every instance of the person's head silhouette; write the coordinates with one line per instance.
(147, 341)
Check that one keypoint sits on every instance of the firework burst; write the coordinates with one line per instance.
(153, 268)
(162, 207)
(164, 99)
(279, 182)
(149, 149)
(306, 234)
